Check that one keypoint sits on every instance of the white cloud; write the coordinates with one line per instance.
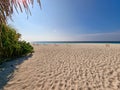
(115, 36)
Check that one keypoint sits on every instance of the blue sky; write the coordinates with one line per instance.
(70, 20)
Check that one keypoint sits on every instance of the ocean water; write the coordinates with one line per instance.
(76, 42)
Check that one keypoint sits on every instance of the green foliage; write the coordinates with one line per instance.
(10, 45)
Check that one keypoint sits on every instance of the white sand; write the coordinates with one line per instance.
(69, 67)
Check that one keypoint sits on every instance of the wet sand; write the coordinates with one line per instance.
(69, 67)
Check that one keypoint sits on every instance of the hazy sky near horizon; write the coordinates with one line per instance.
(70, 20)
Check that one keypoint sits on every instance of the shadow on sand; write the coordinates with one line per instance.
(7, 69)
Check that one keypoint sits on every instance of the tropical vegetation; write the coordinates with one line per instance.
(11, 45)
(7, 8)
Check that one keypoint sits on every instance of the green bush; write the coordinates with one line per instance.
(10, 45)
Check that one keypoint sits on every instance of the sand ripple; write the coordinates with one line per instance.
(69, 67)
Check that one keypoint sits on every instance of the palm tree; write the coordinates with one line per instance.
(6, 8)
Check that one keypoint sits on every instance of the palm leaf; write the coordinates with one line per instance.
(6, 8)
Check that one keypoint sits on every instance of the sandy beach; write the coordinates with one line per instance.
(69, 67)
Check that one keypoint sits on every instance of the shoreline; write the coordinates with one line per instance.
(76, 42)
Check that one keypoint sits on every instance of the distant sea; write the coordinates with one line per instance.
(76, 42)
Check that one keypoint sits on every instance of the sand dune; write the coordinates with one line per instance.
(69, 67)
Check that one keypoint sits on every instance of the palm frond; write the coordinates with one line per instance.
(6, 8)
